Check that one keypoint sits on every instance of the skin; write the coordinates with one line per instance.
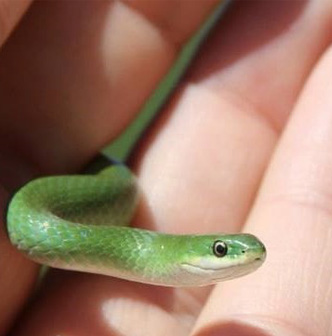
(265, 62)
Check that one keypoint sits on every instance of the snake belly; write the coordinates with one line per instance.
(80, 222)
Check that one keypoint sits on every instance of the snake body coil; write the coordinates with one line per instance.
(80, 222)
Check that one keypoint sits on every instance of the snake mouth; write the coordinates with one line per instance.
(218, 272)
(194, 268)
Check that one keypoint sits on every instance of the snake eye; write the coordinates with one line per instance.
(219, 248)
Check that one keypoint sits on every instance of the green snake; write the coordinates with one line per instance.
(79, 222)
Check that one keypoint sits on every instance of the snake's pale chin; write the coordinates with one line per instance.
(216, 273)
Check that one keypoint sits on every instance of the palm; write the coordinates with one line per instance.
(77, 84)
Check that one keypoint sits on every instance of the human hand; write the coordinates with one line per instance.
(65, 80)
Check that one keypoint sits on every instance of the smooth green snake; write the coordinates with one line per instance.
(76, 222)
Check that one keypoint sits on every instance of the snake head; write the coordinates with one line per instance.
(213, 258)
